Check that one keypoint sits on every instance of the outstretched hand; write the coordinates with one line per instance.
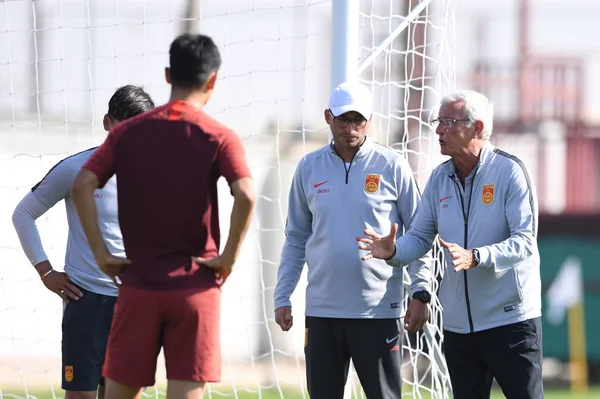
(380, 247)
(463, 258)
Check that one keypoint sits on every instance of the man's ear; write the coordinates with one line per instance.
(328, 116)
(212, 81)
(168, 75)
(478, 129)
(106, 122)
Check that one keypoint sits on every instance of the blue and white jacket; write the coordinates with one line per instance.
(497, 213)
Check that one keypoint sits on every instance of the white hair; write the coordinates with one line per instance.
(476, 107)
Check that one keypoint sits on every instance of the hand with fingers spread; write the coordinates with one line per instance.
(113, 266)
(222, 265)
(380, 247)
(462, 258)
(60, 284)
(417, 315)
(284, 318)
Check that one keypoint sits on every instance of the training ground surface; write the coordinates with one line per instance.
(222, 393)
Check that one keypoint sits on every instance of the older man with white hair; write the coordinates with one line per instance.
(483, 205)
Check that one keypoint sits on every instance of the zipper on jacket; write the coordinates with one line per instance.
(346, 168)
(466, 225)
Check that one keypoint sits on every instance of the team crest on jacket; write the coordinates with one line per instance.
(372, 183)
(487, 195)
(68, 373)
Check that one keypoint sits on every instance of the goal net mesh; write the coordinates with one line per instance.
(61, 60)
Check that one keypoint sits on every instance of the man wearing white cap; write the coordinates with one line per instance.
(353, 308)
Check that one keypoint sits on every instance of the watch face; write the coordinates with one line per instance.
(422, 296)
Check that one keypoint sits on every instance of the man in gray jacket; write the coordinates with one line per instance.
(352, 307)
(483, 205)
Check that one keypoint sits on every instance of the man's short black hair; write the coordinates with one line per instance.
(192, 58)
(129, 101)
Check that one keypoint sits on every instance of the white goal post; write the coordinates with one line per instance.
(61, 60)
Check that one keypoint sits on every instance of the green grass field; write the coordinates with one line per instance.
(550, 393)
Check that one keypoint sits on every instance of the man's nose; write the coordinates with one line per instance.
(440, 129)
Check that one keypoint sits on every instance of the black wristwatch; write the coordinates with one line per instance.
(422, 296)
(476, 257)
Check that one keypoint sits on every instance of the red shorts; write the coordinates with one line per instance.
(184, 322)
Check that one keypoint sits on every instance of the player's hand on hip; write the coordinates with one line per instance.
(380, 247)
(283, 317)
(462, 258)
(417, 315)
(60, 284)
(113, 266)
(222, 265)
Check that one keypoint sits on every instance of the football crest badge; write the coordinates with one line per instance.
(372, 183)
(68, 373)
(487, 195)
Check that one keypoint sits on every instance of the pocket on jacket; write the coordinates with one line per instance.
(510, 285)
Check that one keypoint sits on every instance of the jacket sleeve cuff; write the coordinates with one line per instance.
(280, 303)
(420, 286)
(395, 260)
(485, 259)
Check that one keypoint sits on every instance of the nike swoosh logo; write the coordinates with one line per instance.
(510, 346)
(389, 341)
(320, 184)
(445, 198)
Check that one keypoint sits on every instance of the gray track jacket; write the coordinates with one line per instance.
(497, 213)
(331, 204)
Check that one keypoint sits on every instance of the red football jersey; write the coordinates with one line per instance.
(167, 162)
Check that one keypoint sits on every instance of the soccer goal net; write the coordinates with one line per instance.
(61, 60)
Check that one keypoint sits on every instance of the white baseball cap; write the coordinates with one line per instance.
(351, 96)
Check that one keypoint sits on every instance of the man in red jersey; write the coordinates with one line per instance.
(167, 163)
